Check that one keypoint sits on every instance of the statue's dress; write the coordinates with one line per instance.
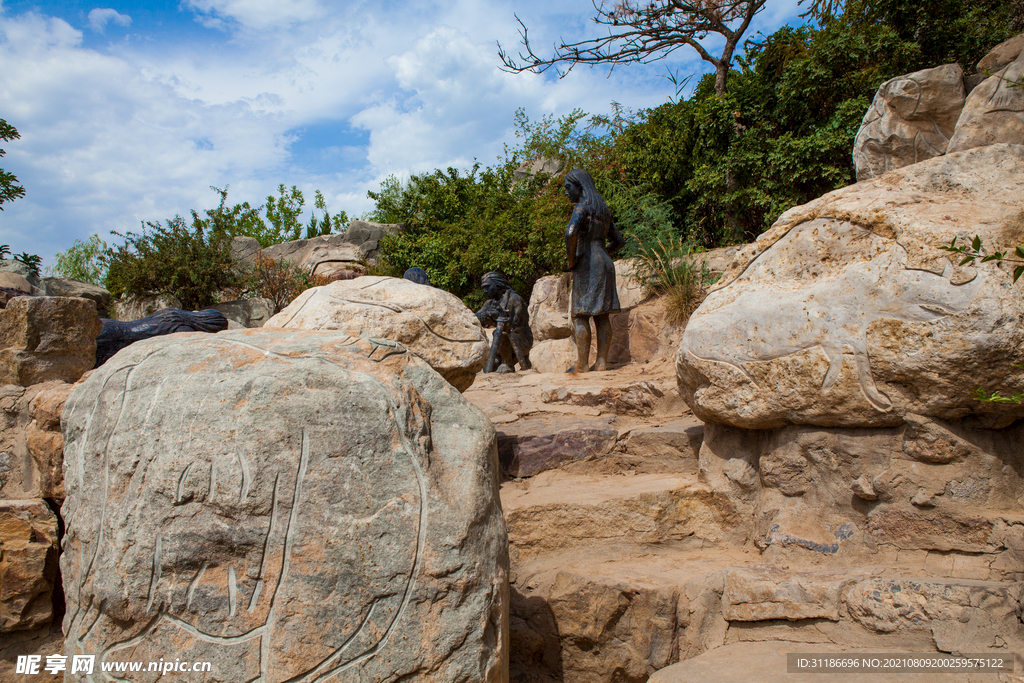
(593, 276)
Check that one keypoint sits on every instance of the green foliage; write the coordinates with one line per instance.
(463, 224)
(282, 221)
(82, 261)
(32, 261)
(283, 213)
(975, 252)
(9, 188)
(190, 262)
(279, 281)
(669, 267)
(781, 136)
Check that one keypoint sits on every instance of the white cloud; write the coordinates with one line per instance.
(139, 130)
(255, 14)
(99, 18)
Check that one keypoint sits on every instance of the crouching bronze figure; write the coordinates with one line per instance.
(506, 311)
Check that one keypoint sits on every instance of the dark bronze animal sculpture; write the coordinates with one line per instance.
(116, 334)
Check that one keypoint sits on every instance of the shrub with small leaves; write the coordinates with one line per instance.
(279, 281)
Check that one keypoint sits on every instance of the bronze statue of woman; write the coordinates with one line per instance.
(593, 272)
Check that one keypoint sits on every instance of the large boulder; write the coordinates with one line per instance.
(846, 313)
(307, 254)
(47, 338)
(367, 235)
(28, 564)
(18, 268)
(430, 322)
(549, 308)
(287, 505)
(65, 286)
(911, 119)
(1002, 54)
(994, 111)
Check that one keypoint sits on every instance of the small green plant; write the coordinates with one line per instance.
(83, 261)
(667, 266)
(32, 261)
(5, 251)
(974, 252)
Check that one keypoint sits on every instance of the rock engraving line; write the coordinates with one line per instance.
(832, 314)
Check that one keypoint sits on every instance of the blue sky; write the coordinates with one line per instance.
(130, 111)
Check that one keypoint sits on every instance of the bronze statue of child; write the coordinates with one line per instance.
(507, 312)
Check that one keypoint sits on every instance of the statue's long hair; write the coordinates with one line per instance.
(590, 199)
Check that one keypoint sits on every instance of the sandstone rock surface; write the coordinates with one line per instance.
(1002, 54)
(47, 338)
(288, 505)
(367, 235)
(430, 322)
(31, 445)
(846, 313)
(246, 312)
(994, 111)
(911, 119)
(131, 307)
(549, 308)
(65, 286)
(307, 254)
(28, 564)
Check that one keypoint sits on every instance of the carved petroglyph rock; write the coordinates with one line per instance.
(846, 313)
(994, 112)
(288, 505)
(430, 322)
(911, 119)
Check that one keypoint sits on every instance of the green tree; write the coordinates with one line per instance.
(9, 188)
(82, 261)
(191, 262)
(283, 213)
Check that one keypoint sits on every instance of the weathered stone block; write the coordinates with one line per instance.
(430, 322)
(28, 564)
(47, 338)
(286, 504)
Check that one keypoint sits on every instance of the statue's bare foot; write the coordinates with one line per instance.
(599, 366)
(503, 369)
(580, 367)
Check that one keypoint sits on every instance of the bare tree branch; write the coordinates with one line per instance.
(645, 31)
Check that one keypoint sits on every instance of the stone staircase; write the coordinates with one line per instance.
(627, 558)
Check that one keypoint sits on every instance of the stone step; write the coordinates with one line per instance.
(559, 509)
(614, 610)
(766, 662)
(529, 446)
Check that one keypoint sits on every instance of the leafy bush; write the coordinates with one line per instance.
(191, 263)
(279, 281)
(82, 261)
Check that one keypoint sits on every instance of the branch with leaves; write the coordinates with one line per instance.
(9, 188)
(645, 31)
(973, 252)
